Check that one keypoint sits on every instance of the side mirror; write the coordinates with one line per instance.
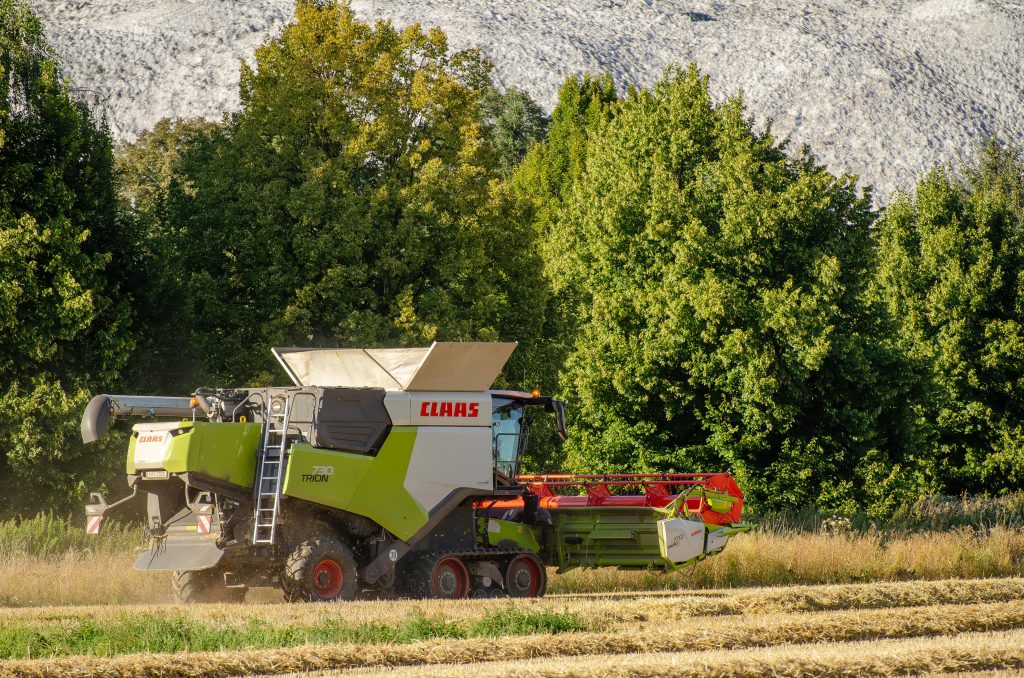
(560, 419)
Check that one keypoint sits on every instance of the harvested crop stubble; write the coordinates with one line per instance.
(610, 609)
(965, 652)
(695, 635)
(798, 598)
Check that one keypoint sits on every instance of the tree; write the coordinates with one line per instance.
(514, 123)
(546, 178)
(354, 200)
(156, 179)
(64, 326)
(951, 276)
(725, 323)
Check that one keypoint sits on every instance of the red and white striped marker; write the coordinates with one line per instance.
(203, 523)
(92, 524)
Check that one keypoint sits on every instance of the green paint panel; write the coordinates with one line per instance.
(129, 465)
(327, 477)
(367, 486)
(382, 495)
(506, 532)
(605, 537)
(221, 451)
(225, 451)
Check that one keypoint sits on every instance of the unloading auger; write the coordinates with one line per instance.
(388, 471)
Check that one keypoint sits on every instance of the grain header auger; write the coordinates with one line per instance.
(388, 471)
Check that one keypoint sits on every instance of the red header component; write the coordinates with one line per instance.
(448, 408)
(658, 491)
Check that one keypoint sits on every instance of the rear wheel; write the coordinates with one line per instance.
(204, 586)
(321, 570)
(525, 577)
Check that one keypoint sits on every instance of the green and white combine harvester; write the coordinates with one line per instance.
(388, 471)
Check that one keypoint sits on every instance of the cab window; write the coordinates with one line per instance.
(508, 438)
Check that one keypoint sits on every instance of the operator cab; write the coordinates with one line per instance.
(511, 430)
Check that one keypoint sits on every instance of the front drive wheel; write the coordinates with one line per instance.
(204, 586)
(321, 570)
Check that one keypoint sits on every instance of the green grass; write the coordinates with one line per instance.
(926, 514)
(47, 535)
(152, 633)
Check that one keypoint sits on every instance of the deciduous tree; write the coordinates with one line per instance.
(724, 322)
(951, 275)
(64, 322)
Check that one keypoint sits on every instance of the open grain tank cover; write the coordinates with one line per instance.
(444, 366)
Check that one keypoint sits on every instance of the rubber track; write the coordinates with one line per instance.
(418, 571)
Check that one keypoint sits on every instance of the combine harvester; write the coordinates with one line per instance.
(388, 471)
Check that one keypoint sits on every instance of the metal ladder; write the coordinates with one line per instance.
(273, 451)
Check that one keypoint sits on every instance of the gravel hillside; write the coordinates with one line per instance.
(879, 88)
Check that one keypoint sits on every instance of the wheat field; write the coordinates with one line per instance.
(105, 576)
(776, 602)
(880, 628)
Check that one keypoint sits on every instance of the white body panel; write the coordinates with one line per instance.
(151, 444)
(717, 540)
(438, 409)
(680, 540)
(445, 459)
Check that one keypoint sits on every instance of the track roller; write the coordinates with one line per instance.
(439, 576)
(525, 577)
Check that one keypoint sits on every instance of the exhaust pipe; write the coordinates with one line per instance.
(102, 408)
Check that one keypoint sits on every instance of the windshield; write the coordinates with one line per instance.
(509, 435)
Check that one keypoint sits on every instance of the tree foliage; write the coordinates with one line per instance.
(63, 326)
(705, 299)
(724, 322)
(951, 277)
(514, 123)
(354, 200)
(546, 179)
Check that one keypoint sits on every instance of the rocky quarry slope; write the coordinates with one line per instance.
(879, 88)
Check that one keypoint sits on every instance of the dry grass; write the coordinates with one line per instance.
(758, 559)
(79, 579)
(611, 610)
(959, 653)
(653, 636)
(774, 559)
